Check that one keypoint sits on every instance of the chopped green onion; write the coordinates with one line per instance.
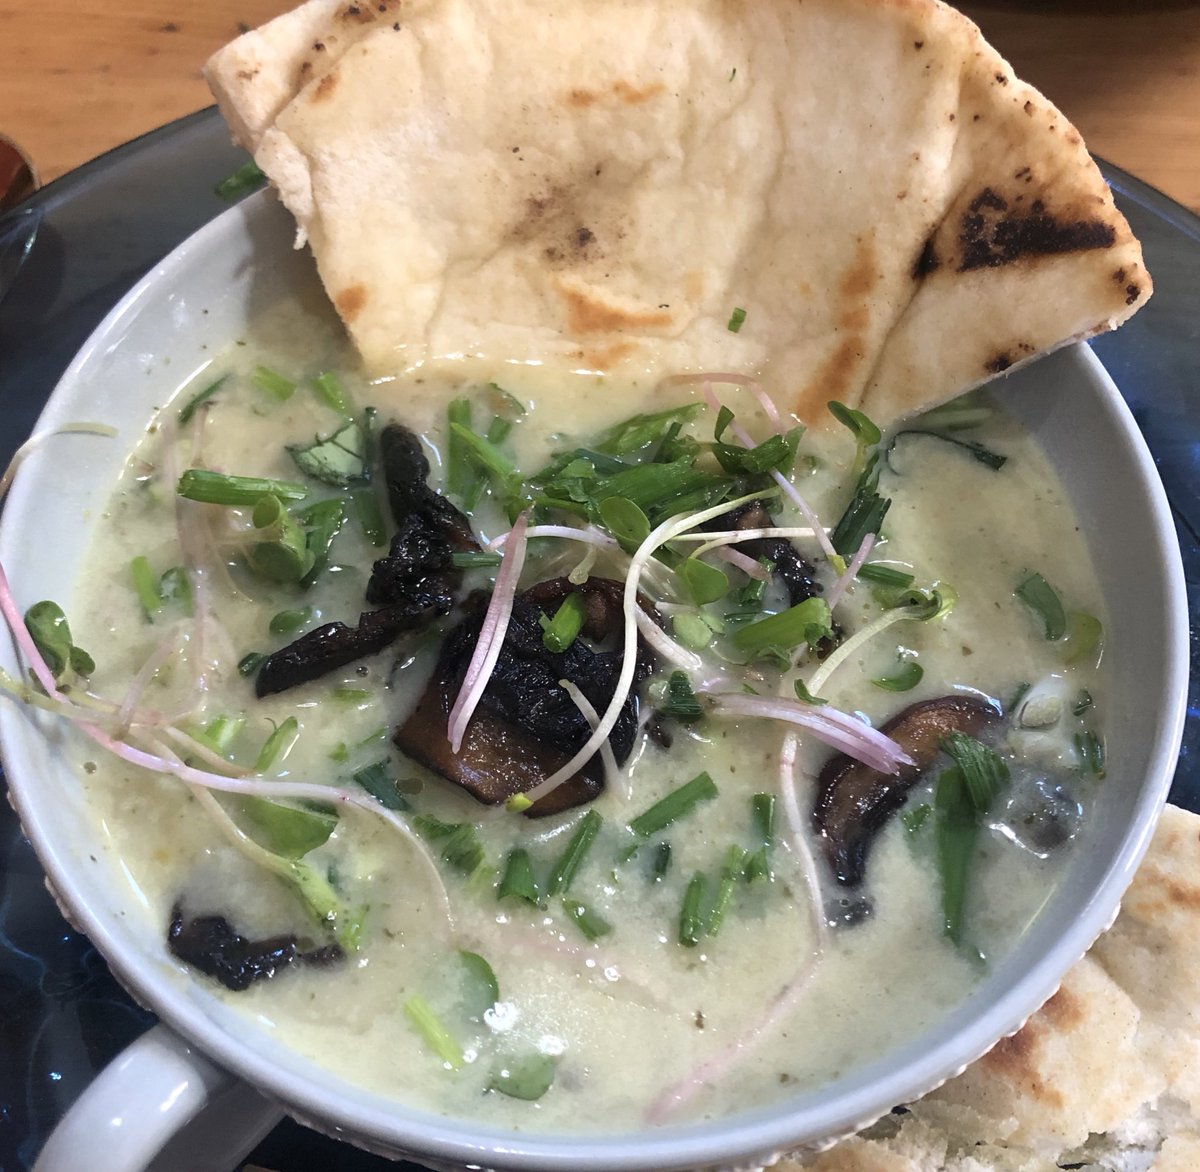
(145, 584)
(518, 880)
(435, 1035)
(176, 586)
(661, 862)
(763, 812)
(916, 817)
(347, 695)
(278, 745)
(865, 432)
(736, 320)
(471, 560)
(1044, 601)
(378, 781)
(487, 454)
(806, 622)
(935, 603)
(904, 680)
(199, 399)
(777, 453)
(674, 806)
(217, 488)
(322, 522)
(691, 913)
(273, 383)
(1083, 702)
(732, 872)
(804, 695)
(559, 632)
(984, 770)
(639, 431)
(463, 477)
(704, 583)
(864, 514)
(284, 554)
(339, 459)
(1084, 632)
(679, 701)
(368, 514)
(590, 923)
(329, 390)
(565, 869)
(1091, 752)
(51, 633)
(287, 621)
(758, 866)
(625, 521)
(957, 828)
(220, 733)
(250, 663)
(885, 576)
(481, 989)
(247, 178)
(527, 1079)
(460, 850)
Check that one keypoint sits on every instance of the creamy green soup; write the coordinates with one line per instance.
(688, 972)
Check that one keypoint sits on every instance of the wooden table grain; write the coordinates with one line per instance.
(78, 77)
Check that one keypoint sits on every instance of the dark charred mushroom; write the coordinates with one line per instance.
(527, 726)
(795, 573)
(854, 801)
(413, 584)
(210, 944)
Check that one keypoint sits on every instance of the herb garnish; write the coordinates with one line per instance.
(1044, 601)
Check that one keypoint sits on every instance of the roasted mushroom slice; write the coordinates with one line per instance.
(794, 572)
(854, 801)
(212, 945)
(527, 726)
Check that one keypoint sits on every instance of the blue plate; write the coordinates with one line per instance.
(75, 249)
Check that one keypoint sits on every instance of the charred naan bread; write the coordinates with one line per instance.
(600, 183)
(1105, 1076)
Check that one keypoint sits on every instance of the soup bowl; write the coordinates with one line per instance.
(200, 299)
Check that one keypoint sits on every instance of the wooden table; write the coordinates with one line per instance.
(80, 76)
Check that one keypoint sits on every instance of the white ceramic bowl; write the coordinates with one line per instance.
(202, 296)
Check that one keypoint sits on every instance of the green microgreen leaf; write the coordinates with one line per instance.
(866, 433)
(864, 514)
(691, 630)
(704, 583)
(527, 1078)
(377, 779)
(625, 521)
(674, 806)
(1043, 600)
(51, 633)
(145, 585)
(803, 694)
(1084, 635)
(983, 770)
(278, 745)
(250, 663)
(287, 831)
(481, 990)
(904, 679)
(559, 632)
(285, 622)
(328, 388)
(339, 459)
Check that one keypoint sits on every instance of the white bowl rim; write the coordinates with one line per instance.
(453, 1141)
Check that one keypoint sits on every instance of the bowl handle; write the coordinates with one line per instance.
(160, 1104)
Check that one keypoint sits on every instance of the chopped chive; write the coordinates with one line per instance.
(559, 632)
(347, 695)
(199, 399)
(1043, 600)
(217, 488)
(368, 514)
(145, 584)
(498, 430)
(481, 990)
(283, 554)
(273, 383)
(378, 781)
(527, 1079)
(1082, 702)
(736, 319)
(435, 1035)
(691, 912)
(1091, 752)
(866, 433)
(662, 860)
(885, 576)
(278, 745)
(732, 871)
(569, 862)
(250, 663)
(287, 621)
(904, 680)
(220, 733)
(758, 866)
(679, 701)
(590, 923)
(674, 806)
(328, 388)
(470, 560)
(806, 622)
(762, 807)
(518, 880)
(247, 178)
(461, 471)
